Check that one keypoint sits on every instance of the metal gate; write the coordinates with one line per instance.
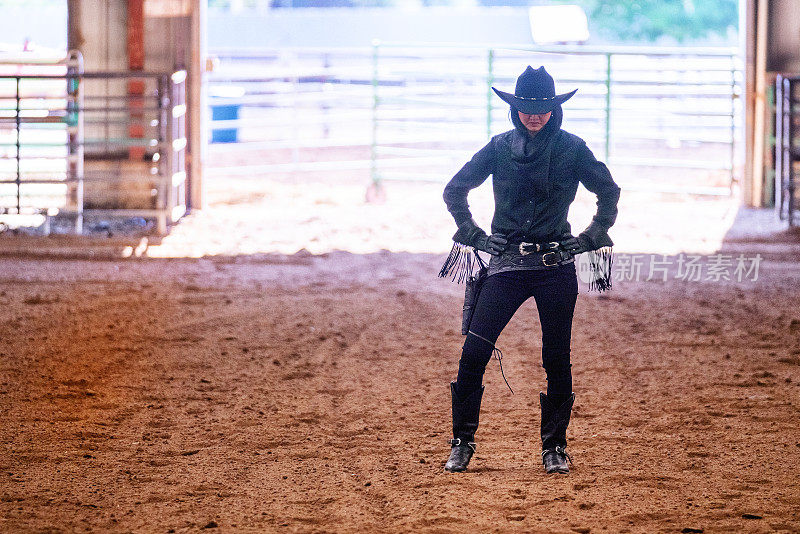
(787, 147)
(76, 148)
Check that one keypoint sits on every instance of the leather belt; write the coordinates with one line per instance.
(555, 257)
(550, 254)
(528, 248)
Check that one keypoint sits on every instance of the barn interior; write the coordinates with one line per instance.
(220, 303)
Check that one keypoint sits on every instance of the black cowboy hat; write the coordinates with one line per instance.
(535, 93)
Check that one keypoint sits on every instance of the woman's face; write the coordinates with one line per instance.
(534, 123)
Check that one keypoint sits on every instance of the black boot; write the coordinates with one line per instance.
(465, 424)
(555, 420)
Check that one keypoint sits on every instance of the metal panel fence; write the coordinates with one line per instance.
(71, 146)
(665, 119)
(787, 147)
(41, 138)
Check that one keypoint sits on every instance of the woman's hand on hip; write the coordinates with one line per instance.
(494, 244)
(577, 245)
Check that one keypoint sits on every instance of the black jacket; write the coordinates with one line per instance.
(529, 208)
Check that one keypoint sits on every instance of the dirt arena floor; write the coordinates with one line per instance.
(300, 392)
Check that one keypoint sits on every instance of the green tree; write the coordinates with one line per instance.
(648, 20)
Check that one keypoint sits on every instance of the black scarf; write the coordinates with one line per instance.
(532, 154)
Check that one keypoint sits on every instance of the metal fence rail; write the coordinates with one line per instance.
(73, 144)
(421, 111)
(136, 146)
(41, 139)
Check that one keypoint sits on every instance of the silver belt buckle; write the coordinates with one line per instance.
(544, 259)
(522, 249)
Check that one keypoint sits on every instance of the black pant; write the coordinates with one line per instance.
(555, 292)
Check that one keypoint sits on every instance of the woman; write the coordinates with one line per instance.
(535, 172)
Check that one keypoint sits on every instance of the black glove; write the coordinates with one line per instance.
(594, 237)
(494, 244)
(470, 234)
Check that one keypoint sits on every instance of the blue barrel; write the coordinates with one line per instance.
(224, 112)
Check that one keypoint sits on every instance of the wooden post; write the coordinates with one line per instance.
(759, 103)
(74, 33)
(754, 23)
(195, 93)
(136, 88)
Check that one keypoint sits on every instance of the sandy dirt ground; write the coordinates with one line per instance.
(263, 389)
